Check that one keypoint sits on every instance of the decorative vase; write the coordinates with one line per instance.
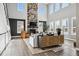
(58, 31)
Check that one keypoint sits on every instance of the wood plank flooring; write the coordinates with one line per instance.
(17, 47)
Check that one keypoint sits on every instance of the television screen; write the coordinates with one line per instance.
(33, 24)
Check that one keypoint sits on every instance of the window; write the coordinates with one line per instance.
(73, 25)
(51, 8)
(42, 9)
(57, 7)
(51, 26)
(65, 5)
(20, 7)
(65, 25)
(42, 12)
(20, 26)
(57, 24)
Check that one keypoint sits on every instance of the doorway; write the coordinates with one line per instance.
(17, 25)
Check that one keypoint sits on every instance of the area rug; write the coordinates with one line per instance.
(38, 50)
(57, 49)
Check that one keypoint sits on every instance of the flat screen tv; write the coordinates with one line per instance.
(33, 24)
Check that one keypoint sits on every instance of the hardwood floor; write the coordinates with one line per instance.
(17, 47)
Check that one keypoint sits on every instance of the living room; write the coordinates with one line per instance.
(44, 27)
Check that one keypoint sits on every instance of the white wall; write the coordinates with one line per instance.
(14, 13)
(4, 38)
(2, 19)
(77, 25)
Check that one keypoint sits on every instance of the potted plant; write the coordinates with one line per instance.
(58, 31)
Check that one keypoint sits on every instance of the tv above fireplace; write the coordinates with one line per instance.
(33, 24)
